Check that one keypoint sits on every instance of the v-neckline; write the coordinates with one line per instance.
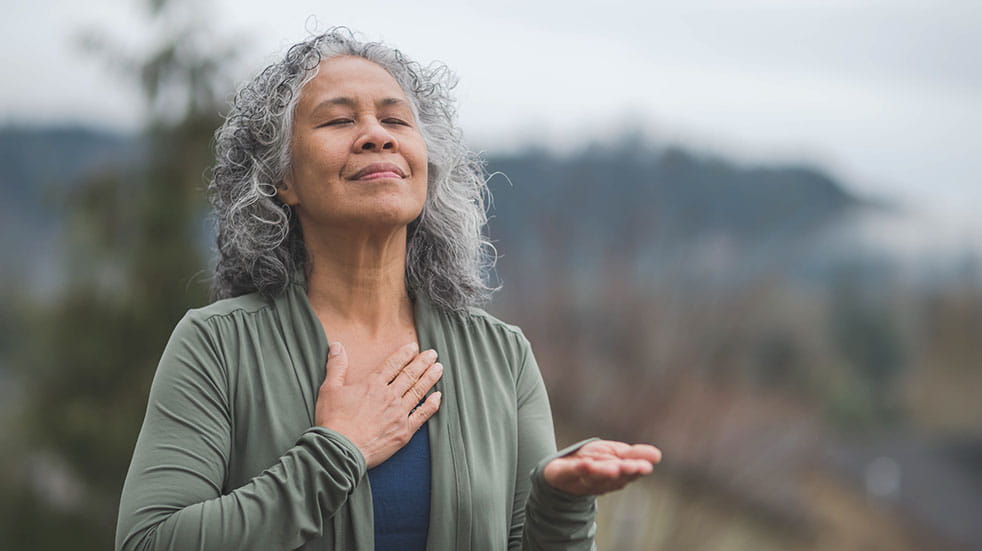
(450, 479)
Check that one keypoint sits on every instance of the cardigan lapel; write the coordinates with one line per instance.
(450, 523)
(353, 526)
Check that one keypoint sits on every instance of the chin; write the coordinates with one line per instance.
(394, 208)
(376, 211)
(401, 219)
(392, 214)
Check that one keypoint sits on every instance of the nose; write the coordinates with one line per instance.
(375, 137)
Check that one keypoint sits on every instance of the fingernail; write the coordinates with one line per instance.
(438, 367)
(334, 349)
(439, 396)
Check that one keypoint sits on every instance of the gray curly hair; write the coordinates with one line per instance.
(260, 243)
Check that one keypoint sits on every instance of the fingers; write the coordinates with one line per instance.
(593, 476)
(425, 411)
(606, 448)
(408, 373)
(337, 365)
(423, 385)
(645, 452)
(393, 365)
(611, 474)
(412, 372)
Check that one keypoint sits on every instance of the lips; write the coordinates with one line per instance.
(376, 171)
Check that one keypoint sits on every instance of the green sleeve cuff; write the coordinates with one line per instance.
(342, 451)
(555, 519)
(554, 498)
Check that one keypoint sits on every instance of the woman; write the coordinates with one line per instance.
(349, 207)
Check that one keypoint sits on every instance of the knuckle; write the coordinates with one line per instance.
(407, 352)
(394, 364)
(426, 381)
(391, 394)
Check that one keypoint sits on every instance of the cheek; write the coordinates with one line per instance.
(420, 159)
(317, 163)
(324, 156)
(423, 176)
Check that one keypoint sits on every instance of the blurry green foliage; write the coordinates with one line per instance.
(864, 329)
(135, 255)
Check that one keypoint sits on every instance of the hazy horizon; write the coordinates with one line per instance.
(886, 96)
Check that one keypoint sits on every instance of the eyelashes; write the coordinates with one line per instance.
(346, 121)
(338, 122)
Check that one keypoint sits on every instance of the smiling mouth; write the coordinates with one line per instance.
(379, 171)
(380, 175)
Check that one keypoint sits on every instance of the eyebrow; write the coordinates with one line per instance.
(350, 102)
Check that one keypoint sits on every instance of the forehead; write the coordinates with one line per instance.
(350, 76)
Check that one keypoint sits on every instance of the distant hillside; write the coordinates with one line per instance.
(38, 167)
(674, 192)
(575, 210)
(34, 160)
(662, 212)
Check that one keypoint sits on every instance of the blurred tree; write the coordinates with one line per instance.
(136, 239)
(865, 332)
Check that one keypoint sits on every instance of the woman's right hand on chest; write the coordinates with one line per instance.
(377, 413)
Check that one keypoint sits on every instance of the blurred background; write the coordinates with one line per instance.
(745, 232)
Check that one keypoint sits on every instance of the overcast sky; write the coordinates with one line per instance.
(886, 95)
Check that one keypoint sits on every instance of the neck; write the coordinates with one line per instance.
(359, 281)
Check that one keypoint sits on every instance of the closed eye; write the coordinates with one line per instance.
(338, 122)
(390, 120)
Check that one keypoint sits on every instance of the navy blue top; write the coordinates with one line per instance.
(401, 496)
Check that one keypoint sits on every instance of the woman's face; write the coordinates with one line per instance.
(358, 158)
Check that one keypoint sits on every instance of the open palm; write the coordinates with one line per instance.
(601, 466)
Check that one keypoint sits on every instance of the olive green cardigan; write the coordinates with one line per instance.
(228, 457)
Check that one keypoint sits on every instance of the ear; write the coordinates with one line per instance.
(285, 191)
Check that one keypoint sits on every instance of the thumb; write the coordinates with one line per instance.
(337, 365)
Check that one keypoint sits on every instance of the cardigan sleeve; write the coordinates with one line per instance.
(173, 499)
(544, 518)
